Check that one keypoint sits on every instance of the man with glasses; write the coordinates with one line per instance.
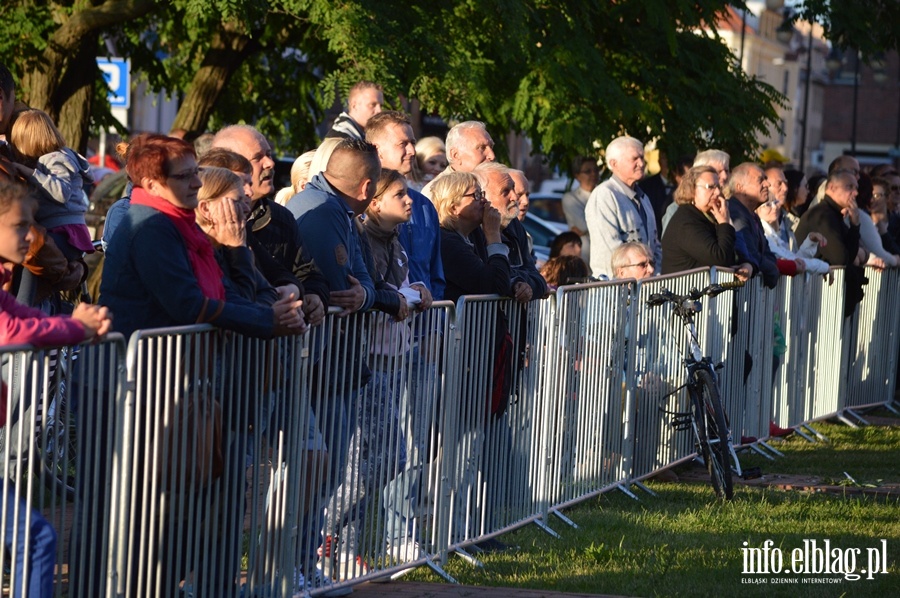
(749, 189)
(527, 284)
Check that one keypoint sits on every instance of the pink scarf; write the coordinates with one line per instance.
(200, 251)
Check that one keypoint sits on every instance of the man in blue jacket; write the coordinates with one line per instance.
(324, 211)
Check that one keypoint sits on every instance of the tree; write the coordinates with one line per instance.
(53, 48)
(571, 74)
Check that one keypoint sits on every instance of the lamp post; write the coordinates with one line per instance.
(855, 100)
(809, 50)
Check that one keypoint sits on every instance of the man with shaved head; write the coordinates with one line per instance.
(325, 210)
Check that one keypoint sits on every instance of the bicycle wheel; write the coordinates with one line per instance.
(56, 441)
(58, 454)
(714, 441)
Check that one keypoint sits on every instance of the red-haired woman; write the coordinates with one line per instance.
(160, 268)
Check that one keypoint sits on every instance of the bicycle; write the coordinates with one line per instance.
(706, 416)
(49, 450)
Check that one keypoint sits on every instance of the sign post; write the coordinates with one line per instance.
(117, 72)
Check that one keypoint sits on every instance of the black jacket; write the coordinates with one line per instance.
(843, 244)
(274, 230)
(693, 241)
(469, 270)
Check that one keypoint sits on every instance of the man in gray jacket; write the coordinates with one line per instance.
(618, 211)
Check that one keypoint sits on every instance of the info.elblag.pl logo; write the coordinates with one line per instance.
(816, 561)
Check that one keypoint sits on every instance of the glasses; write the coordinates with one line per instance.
(709, 187)
(879, 195)
(478, 195)
(185, 176)
(643, 264)
(772, 203)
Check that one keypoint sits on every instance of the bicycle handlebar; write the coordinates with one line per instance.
(667, 296)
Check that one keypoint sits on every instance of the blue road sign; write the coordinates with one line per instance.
(117, 72)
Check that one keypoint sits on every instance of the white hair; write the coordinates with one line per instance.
(455, 135)
(712, 156)
(619, 145)
(483, 171)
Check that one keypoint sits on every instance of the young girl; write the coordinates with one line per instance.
(62, 178)
(24, 325)
(378, 447)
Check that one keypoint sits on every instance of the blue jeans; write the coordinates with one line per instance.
(37, 582)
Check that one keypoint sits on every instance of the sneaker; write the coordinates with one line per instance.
(349, 566)
(405, 551)
(748, 439)
(778, 432)
(318, 581)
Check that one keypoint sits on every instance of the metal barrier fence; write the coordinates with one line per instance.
(52, 397)
(211, 464)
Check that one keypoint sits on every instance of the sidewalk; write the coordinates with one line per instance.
(415, 589)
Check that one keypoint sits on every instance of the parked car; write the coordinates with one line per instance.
(542, 234)
(547, 206)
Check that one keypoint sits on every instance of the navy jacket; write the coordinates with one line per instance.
(148, 282)
(751, 244)
(332, 241)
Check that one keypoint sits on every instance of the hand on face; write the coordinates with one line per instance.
(227, 226)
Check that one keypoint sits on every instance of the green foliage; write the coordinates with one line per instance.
(24, 31)
(872, 26)
(570, 74)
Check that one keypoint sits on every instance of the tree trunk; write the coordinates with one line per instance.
(44, 87)
(227, 52)
(74, 97)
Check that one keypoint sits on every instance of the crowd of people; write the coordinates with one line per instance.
(373, 220)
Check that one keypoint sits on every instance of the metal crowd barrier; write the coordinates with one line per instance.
(872, 366)
(492, 406)
(210, 464)
(656, 371)
(585, 413)
(53, 396)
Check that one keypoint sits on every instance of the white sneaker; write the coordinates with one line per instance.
(405, 551)
(349, 566)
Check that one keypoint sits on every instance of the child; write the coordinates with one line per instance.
(24, 325)
(378, 445)
(62, 177)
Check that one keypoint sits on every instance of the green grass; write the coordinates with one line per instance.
(685, 543)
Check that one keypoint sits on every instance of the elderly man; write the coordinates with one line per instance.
(271, 227)
(632, 260)
(618, 211)
(363, 102)
(526, 284)
(523, 192)
(391, 133)
(836, 218)
(749, 189)
(468, 145)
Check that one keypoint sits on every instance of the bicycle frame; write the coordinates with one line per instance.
(701, 372)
